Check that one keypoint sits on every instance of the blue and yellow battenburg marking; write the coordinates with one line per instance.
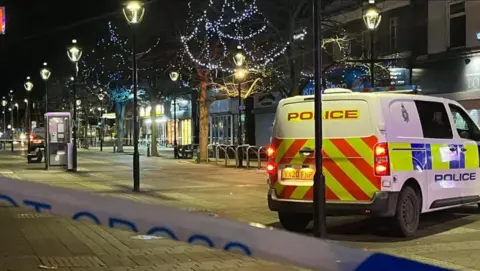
(419, 156)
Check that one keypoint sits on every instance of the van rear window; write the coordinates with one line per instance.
(341, 119)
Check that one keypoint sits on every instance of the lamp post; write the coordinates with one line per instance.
(25, 116)
(11, 112)
(4, 104)
(45, 74)
(372, 18)
(133, 12)
(18, 115)
(240, 73)
(102, 128)
(74, 53)
(174, 76)
(28, 87)
(319, 212)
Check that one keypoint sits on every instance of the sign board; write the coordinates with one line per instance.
(2, 20)
(109, 116)
(241, 107)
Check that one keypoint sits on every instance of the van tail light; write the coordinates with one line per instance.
(271, 168)
(270, 151)
(381, 159)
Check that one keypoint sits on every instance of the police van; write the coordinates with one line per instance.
(385, 154)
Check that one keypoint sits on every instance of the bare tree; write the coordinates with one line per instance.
(211, 39)
(292, 23)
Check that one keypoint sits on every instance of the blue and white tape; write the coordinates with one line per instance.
(274, 245)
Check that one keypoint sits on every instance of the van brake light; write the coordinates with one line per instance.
(270, 151)
(381, 160)
(271, 167)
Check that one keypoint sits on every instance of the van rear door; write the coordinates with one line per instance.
(348, 141)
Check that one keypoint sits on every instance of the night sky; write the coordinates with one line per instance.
(40, 31)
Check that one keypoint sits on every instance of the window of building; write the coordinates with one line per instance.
(466, 128)
(393, 33)
(456, 23)
(434, 120)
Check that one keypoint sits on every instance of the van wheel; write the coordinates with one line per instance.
(407, 214)
(294, 222)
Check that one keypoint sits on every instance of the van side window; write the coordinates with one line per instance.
(434, 119)
(466, 128)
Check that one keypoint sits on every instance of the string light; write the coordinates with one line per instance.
(107, 65)
(231, 28)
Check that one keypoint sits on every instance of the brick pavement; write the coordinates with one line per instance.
(444, 238)
(31, 241)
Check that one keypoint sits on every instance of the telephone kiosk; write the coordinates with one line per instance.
(58, 147)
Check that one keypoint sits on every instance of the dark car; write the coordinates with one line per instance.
(37, 145)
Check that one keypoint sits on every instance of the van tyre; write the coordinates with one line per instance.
(407, 214)
(294, 222)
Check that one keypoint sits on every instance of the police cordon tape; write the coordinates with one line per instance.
(274, 245)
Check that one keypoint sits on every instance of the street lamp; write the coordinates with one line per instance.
(133, 12)
(372, 18)
(74, 54)
(4, 104)
(239, 59)
(28, 87)
(101, 97)
(18, 115)
(10, 109)
(45, 74)
(174, 77)
(240, 74)
(319, 212)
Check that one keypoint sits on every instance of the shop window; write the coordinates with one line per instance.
(393, 34)
(456, 23)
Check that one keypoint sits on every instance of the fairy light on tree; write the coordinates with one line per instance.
(210, 43)
(107, 66)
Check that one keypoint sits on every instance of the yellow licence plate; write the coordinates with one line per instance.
(298, 174)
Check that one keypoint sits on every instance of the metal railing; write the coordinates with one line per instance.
(228, 152)
(258, 151)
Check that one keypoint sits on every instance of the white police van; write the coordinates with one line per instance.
(390, 154)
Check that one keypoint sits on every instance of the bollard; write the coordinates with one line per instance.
(12, 146)
(148, 149)
(114, 146)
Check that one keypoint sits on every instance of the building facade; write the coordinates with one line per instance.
(451, 67)
(398, 39)
(432, 44)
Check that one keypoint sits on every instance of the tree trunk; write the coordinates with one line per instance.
(203, 108)
(153, 115)
(120, 124)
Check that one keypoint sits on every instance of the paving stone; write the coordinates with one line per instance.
(445, 238)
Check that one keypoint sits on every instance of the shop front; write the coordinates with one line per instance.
(159, 121)
(452, 78)
(265, 106)
(223, 122)
(184, 123)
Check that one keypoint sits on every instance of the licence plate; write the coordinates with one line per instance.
(298, 174)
